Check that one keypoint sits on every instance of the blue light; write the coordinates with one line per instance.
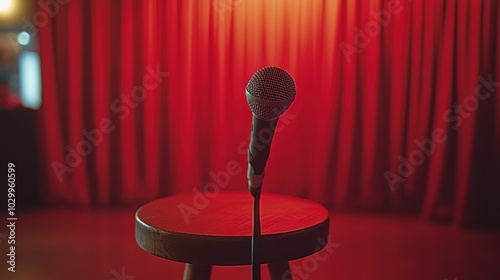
(23, 38)
(30, 80)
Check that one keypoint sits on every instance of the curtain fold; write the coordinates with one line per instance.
(396, 108)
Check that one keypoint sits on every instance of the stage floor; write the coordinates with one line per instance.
(91, 245)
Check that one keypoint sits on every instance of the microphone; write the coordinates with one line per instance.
(269, 93)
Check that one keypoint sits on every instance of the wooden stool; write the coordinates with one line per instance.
(207, 229)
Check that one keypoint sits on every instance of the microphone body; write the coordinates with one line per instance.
(258, 150)
(269, 93)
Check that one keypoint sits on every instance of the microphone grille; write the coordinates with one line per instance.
(270, 92)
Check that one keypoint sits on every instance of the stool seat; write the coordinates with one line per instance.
(216, 228)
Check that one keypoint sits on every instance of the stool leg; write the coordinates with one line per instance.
(197, 272)
(280, 271)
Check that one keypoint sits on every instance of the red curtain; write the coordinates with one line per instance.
(396, 107)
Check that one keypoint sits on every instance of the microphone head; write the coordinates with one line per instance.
(270, 92)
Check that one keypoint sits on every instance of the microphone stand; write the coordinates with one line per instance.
(258, 152)
(256, 234)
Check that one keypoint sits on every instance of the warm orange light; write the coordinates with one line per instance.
(5, 6)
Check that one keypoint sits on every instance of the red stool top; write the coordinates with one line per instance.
(216, 229)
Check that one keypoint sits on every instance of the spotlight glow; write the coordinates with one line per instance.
(5, 5)
(30, 81)
(23, 38)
